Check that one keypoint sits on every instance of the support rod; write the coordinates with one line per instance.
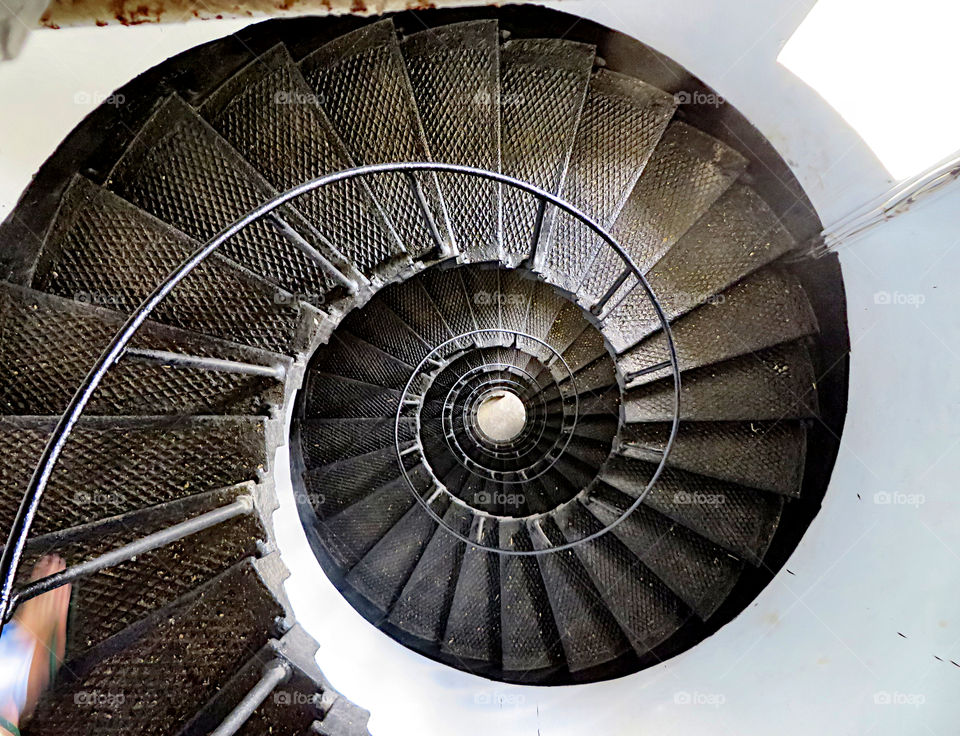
(216, 365)
(275, 673)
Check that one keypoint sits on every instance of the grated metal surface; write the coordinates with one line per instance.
(776, 383)
(588, 631)
(765, 309)
(113, 465)
(180, 170)
(379, 123)
(272, 117)
(412, 304)
(686, 174)
(530, 640)
(767, 456)
(48, 344)
(604, 167)
(448, 293)
(198, 646)
(424, 603)
(380, 326)
(350, 357)
(645, 609)
(329, 440)
(734, 238)
(473, 624)
(343, 398)
(699, 572)
(741, 520)
(104, 250)
(332, 488)
(543, 85)
(455, 74)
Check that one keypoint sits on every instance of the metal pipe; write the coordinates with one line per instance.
(301, 244)
(274, 673)
(427, 214)
(243, 505)
(216, 365)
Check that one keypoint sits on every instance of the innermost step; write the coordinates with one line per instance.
(502, 416)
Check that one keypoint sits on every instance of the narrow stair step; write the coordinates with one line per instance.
(473, 625)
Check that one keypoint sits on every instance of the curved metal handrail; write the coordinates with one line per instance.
(17, 538)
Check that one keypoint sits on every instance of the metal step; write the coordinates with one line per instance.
(180, 170)
(686, 174)
(776, 383)
(349, 535)
(105, 251)
(767, 456)
(325, 441)
(423, 605)
(530, 640)
(379, 123)
(741, 520)
(331, 397)
(48, 344)
(412, 304)
(448, 293)
(455, 75)
(543, 86)
(589, 632)
(348, 356)
(114, 465)
(332, 488)
(622, 121)
(380, 576)
(645, 609)
(738, 235)
(108, 601)
(381, 326)
(198, 643)
(272, 117)
(473, 624)
(699, 572)
(765, 309)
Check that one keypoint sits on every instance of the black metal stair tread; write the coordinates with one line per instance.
(331, 396)
(621, 123)
(269, 113)
(699, 572)
(48, 344)
(381, 326)
(589, 632)
(182, 171)
(768, 456)
(424, 603)
(104, 250)
(449, 294)
(473, 623)
(412, 304)
(379, 123)
(113, 465)
(331, 488)
(738, 235)
(776, 383)
(108, 601)
(455, 75)
(685, 175)
(646, 610)
(765, 309)
(741, 520)
(349, 356)
(529, 637)
(326, 441)
(197, 643)
(380, 576)
(543, 86)
(351, 533)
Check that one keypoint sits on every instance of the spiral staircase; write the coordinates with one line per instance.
(501, 454)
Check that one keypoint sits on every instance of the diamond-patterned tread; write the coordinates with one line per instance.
(685, 175)
(768, 308)
(180, 170)
(113, 465)
(543, 86)
(766, 456)
(604, 167)
(48, 344)
(106, 251)
(271, 116)
(455, 75)
(772, 384)
(379, 123)
(741, 520)
(198, 644)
